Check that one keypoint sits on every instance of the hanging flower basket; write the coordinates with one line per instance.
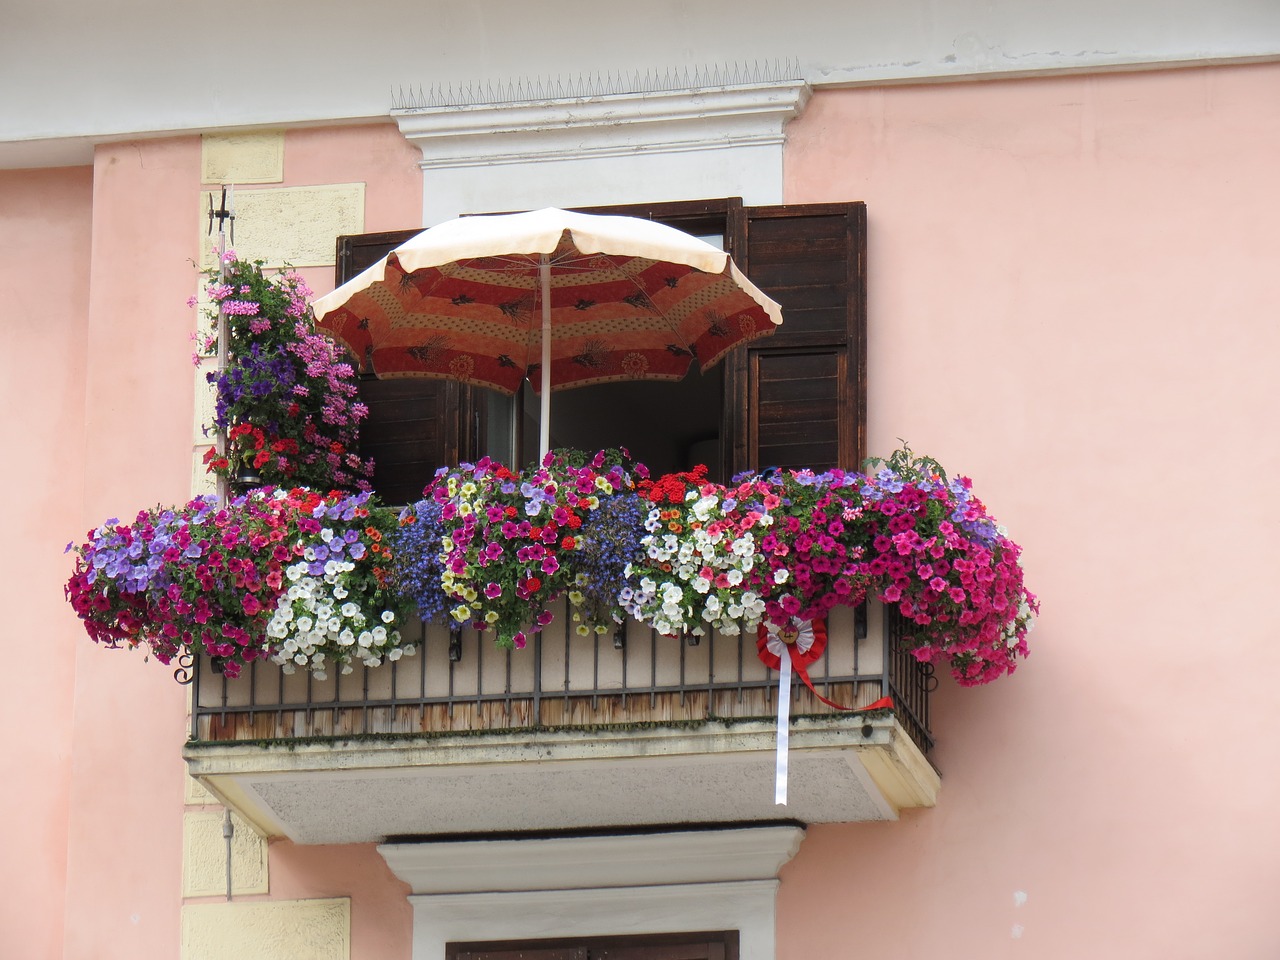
(287, 400)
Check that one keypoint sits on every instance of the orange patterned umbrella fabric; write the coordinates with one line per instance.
(628, 300)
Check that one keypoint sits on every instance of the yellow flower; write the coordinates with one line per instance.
(461, 613)
(583, 630)
(468, 489)
(575, 597)
(491, 617)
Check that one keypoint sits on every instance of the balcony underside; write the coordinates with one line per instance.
(712, 772)
(649, 734)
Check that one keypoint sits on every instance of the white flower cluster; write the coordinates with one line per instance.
(318, 624)
(707, 564)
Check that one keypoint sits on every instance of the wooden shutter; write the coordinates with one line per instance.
(798, 398)
(414, 423)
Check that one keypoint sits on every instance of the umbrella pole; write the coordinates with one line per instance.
(544, 424)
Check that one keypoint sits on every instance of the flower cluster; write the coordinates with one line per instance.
(219, 580)
(288, 398)
(811, 556)
(951, 571)
(696, 569)
(511, 542)
(418, 561)
(198, 577)
(338, 606)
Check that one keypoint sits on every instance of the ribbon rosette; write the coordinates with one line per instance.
(788, 648)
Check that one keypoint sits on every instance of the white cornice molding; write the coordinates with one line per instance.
(594, 862)
(623, 124)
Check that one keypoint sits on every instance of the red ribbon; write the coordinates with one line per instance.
(800, 659)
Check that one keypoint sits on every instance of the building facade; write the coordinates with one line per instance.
(1070, 253)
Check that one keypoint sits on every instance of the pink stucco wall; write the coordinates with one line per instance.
(381, 918)
(44, 249)
(373, 154)
(125, 828)
(1073, 298)
(99, 397)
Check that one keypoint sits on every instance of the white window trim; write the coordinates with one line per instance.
(588, 148)
(678, 882)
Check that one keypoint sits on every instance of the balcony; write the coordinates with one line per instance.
(570, 733)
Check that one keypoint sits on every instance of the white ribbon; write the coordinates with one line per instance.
(778, 647)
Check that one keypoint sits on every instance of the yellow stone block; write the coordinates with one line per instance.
(267, 930)
(297, 226)
(242, 157)
(202, 481)
(204, 856)
(206, 399)
(194, 793)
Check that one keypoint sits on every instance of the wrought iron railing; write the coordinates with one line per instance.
(463, 682)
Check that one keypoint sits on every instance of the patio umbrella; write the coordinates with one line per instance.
(562, 299)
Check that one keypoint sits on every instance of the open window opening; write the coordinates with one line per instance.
(796, 399)
(667, 426)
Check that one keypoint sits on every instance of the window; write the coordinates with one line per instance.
(795, 399)
(722, 945)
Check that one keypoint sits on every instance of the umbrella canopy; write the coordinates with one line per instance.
(563, 299)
